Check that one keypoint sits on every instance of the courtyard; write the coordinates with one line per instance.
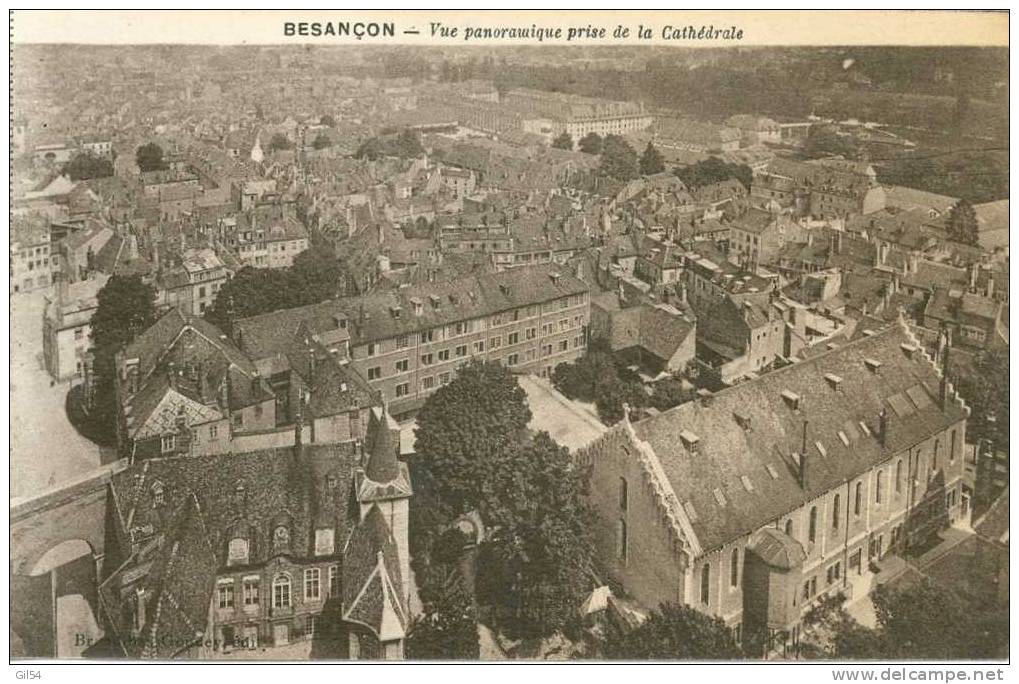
(45, 449)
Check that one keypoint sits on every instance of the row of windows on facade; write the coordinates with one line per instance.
(478, 347)
(478, 325)
(38, 263)
(238, 548)
(623, 500)
(282, 589)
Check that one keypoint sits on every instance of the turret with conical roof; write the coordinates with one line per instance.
(382, 465)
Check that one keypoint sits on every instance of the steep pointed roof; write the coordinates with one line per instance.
(372, 595)
(382, 465)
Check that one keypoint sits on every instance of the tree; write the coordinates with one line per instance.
(714, 170)
(278, 142)
(651, 161)
(984, 386)
(467, 432)
(824, 141)
(962, 224)
(252, 291)
(924, 621)
(85, 166)
(563, 141)
(321, 141)
(591, 143)
(408, 144)
(668, 393)
(536, 559)
(673, 632)
(371, 149)
(618, 160)
(327, 120)
(125, 308)
(447, 630)
(318, 276)
(149, 157)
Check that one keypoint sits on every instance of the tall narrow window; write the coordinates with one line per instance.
(812, 533)
(706, 583)
(937, 452)
(789, 527)
(836, 512)
(621, 540)
(858, 503)
(622, 494)
(878, 486)
(951, 448)
(281, 591)
(312, 584)
(898, 476)
(734, 568)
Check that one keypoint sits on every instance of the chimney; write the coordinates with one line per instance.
(382, 234)
(974, 272)
(804, 458)
(62, 290)
(989, 291)
(705, 396)
(838, 242)
(946, 387)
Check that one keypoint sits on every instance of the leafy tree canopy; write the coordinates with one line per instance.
(926, 622)
(824, 141)
(125, 308)
(591, 143)
(85, 166)
(321, 141)
(674, 632)
(985, 388)
(279, 141)
(618, 160)
(467, 433)
(962, 224)
(651, 161)
(714, 170)
(314, 277)
(149, 157)
(563, 141)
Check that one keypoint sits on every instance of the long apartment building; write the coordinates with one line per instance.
(549, 114)
(752, 504)
(409, 342)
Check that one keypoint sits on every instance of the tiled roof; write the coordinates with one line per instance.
(374, 316)
(176, 570)
(255, 491)
(372, 586)
(652, 328)
(726, 452)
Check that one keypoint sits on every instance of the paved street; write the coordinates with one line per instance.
(45, 448)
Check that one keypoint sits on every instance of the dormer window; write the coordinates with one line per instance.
(324, 544)
(873, 365)
(281, 538)
(237, 551)
(834, 380)
(792, 399)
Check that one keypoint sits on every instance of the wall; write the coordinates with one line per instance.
(653, 570)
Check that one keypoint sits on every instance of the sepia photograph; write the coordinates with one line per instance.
(601, 336)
